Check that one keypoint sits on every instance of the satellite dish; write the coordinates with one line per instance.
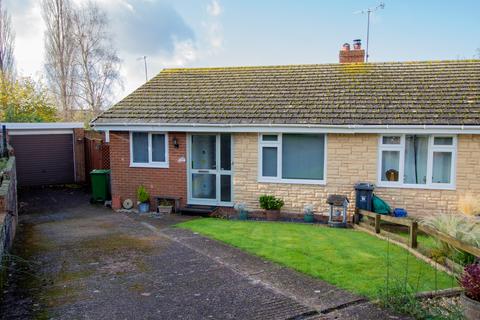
(128, 204)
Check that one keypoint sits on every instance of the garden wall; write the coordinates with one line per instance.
(8, 208)
(352, 158)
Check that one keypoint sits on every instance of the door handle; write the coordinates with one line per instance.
(203, 171)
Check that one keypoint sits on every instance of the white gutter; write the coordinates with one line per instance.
(300, 128)
(42, 125)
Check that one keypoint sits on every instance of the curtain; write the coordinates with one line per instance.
(140, 147)
(442, 164)
(158, 147)
(303, 156)
(390, 165)
(416, 157)
(269, 162)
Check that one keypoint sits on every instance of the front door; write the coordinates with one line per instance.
(210, 169)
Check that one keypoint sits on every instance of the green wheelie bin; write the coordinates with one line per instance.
(100, 180)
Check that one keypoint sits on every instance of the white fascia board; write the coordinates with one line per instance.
(396, 129)
(42, 125)
(30, 132)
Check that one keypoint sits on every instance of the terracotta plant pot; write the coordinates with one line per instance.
(471, 308)
(272, 215)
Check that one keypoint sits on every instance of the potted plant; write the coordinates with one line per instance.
(272, 206)
(241, 208)
(143, 199)
(164, 207)
(470, 282)
(308, 213)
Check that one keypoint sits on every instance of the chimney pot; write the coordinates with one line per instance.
(352, 56)
(357, 44)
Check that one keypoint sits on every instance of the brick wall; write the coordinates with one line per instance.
(352, 56)
(8, 210)
(350, 159)
(170, 181)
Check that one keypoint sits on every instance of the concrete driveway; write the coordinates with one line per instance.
(73, 260)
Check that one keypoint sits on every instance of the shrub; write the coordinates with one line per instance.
(142, 194)
(470, 281)
(461, 227)
(469, 205)
(268, 202)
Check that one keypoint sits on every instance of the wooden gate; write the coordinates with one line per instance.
(97, 153)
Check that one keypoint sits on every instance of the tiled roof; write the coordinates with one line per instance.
(405, 93)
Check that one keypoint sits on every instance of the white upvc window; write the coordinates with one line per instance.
(417, 161)
(292, 158)
(149, 149)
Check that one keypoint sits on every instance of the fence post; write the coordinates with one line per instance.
(4, 142)
(413, 235)
(377, 223)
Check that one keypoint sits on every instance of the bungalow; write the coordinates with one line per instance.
(218, 136)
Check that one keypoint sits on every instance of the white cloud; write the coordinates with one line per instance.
(184, 53)
(29, 32)
(215, 35)
(141, 27)
(214, 27)
(214, 9)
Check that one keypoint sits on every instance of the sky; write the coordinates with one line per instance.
(206, 33)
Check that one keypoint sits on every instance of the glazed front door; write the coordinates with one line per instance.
(210, 169)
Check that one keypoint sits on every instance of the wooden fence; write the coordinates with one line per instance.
(97, 154)
(414, 228)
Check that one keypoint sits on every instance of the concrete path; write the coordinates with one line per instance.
(73, 260)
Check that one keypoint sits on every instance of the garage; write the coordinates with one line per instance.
(45, 152)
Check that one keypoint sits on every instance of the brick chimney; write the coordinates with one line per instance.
(357, 55)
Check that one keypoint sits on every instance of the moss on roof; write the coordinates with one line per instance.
(429, 92)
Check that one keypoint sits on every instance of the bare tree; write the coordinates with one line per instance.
(7, 39)
(97, 60)
(60, 53)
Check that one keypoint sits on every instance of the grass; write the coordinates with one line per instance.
(347, 258)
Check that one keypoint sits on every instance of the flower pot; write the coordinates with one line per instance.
(309, 217)
(471, 308)
(243, 215)
(143, 207)
(272, 215)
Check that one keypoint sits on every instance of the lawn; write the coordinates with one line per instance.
(348, 258)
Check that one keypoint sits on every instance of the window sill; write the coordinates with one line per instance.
(422, 187)
(292, 181)
(149, 165)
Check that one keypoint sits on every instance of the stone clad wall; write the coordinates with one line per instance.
(352, 158)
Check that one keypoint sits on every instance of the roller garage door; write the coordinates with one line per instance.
(44, 159)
